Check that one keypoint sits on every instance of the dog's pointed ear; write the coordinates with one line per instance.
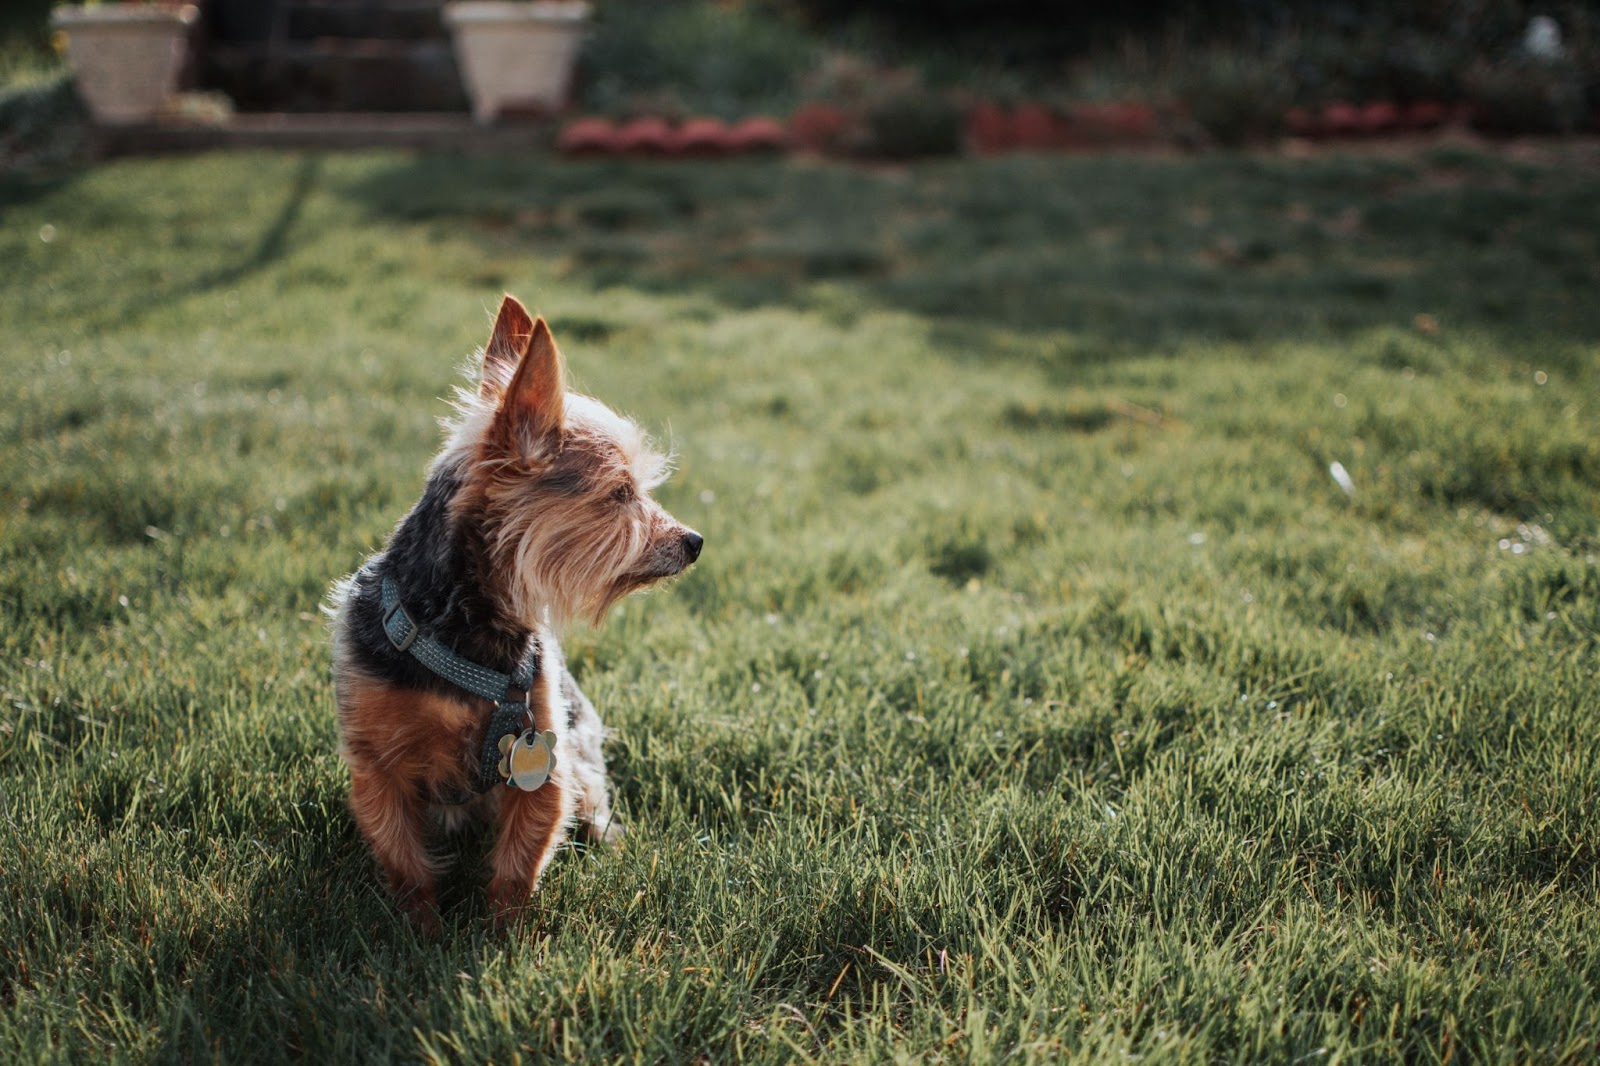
(513, 328)
(534, 405)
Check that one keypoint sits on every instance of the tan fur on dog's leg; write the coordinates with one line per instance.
(392, 821)
(529, 827)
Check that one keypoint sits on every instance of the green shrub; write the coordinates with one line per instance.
(912, 123)
(41, 122)
(1416, 67)
(1235, 97)
(1528, 96)
(713, 58)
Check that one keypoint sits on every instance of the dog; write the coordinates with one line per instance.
(453, 699)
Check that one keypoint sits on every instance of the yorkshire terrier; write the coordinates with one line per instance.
(453, 696)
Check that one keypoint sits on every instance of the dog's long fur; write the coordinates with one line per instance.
(536, 512)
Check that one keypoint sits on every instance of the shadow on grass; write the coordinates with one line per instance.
(102, 308)
(321, 962)
(1128, 254)
(270, 246)
(20, 188)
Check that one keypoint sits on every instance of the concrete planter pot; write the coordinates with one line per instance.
(516, 57)
(125, 57)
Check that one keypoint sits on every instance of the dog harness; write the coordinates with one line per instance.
(515, 753)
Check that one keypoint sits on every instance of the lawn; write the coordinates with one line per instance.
(1040, 690)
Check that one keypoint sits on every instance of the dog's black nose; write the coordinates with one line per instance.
(691, 544)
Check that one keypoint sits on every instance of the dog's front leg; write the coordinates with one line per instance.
(530, 825)
(391, 818)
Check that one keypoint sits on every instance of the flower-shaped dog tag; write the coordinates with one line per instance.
(528, 761)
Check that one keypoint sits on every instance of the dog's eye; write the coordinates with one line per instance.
(624, 494)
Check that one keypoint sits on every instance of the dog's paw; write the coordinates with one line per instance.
(508, 900)
(421, 908)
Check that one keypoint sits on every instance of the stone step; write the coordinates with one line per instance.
(429, 132)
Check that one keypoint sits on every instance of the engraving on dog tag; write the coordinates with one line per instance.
(529, 759)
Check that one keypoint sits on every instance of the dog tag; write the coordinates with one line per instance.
(527, 761)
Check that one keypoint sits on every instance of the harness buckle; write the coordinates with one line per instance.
(399, 645)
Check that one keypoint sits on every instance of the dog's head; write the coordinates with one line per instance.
(558, 484)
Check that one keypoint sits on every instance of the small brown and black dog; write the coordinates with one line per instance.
(453, 697)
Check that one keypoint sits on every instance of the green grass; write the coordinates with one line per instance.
(1039, 690)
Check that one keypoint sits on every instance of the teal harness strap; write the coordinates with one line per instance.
(406, 635)
(512, 716)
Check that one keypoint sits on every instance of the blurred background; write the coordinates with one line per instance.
(893, 77)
